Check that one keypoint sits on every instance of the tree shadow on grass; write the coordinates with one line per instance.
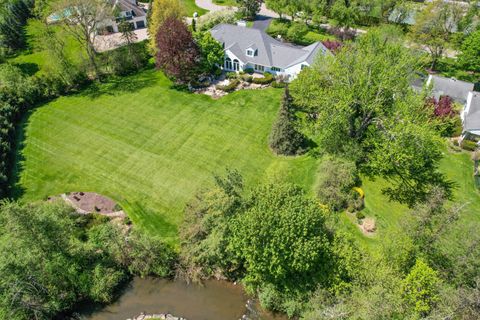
(119, 85)
(16, 190)
(28, 68)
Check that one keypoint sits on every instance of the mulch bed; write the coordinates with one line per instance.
(93, 202)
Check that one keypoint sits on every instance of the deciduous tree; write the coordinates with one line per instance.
(177, 53)
(364, 108)
(434, 26)
(160, 11)
(82, 20)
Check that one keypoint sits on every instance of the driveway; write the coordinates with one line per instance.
(210, 6)
(115, 40)
(261, 22)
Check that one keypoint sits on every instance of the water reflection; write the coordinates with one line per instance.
(214, 300)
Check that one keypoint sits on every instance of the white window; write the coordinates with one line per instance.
(275, 69)
(228, 63)
(128, 13)
(250, 52)
(304, 66)
(236, 65)
(259, 68)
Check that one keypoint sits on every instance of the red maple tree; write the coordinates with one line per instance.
(178, 54)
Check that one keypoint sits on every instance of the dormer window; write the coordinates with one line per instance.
(250, 52)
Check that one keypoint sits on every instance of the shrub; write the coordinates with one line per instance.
(249, 70)
(229, 87)
(332, 45)
(266, 79)
(246, 77)
(231, 75)
(296, 32)
(212, 18)
(342, 33)
(278, 84)
(336, 179)
(278, 28)
(360, 215)
(469, 145)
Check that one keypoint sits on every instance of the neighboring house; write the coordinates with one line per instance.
(128, 10)
(471, 116)
(248, 48)
(456, 89)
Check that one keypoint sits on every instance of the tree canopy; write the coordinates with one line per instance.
(363, 107)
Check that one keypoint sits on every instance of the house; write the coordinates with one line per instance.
(127, 10)
(471, 116)
(456, 89)
(249, 48)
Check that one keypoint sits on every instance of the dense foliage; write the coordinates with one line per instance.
(160, 11)
(248, 9)
(284, 138)
(52, 258)
(273, 237)
(363, 108)
(335, 182)
(211, 52)
(13, 17)
(469, 58)
(17, 93)
(178, 55)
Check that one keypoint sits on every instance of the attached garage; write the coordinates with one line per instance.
(140, 24)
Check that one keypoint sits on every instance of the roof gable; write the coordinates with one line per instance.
(270, 52)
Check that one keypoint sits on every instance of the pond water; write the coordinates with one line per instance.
(214, 300)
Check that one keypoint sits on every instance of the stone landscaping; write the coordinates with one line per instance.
(214, 91)
(90, 202)
(162, 316)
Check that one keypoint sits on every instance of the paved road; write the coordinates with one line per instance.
(262, 22)
(210, 6)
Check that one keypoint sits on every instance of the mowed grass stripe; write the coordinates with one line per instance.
(150, 147)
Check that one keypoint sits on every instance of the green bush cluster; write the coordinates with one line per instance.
(19, 93)
(266, 79)
(52, 258)
(229, 87)
(468, 145)
(296, 32)
(273, 238)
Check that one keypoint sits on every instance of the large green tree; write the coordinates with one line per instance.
(469, 57)
(282, 239)
(364, 108)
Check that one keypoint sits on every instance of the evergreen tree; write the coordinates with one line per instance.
(284, 138)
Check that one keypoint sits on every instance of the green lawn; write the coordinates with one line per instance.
(36, 59)
(229, 3)
(150, 147)
(458, 167)
(191, 8)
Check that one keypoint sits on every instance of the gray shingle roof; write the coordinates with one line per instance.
(471, 120)
(456, 89)
(271, 52)
(128, 5)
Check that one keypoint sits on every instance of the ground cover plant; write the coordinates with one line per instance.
(149, 147)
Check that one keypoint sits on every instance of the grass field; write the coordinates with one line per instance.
(36, 59)
(150, 147)
(191, 8)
